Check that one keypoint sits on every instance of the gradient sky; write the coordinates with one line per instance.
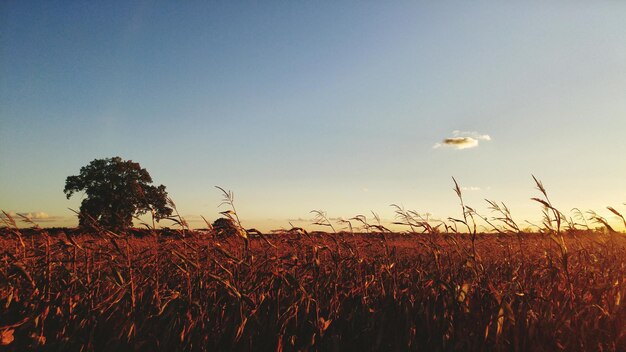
(295, 106)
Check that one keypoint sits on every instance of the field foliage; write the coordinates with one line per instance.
(436, 287)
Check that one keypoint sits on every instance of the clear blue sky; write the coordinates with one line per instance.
(340, 106)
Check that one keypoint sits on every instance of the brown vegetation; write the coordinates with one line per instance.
(313, 291)
(427, 289)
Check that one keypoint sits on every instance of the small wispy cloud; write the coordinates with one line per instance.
(300, 220)
(37, 216)
(470, 188)
(463, 140)
(472, 134)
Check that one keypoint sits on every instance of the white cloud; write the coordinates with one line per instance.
(463, 140)
(39, 215)
(33, 215)
(470, 188)
(36, 216)
(472, 134)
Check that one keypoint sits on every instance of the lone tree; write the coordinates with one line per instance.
(116, 191)
(225, 227)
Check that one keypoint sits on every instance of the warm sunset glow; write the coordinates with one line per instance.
(312, 175)
(300, 107)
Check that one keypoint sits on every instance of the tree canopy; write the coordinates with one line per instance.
(116, 191)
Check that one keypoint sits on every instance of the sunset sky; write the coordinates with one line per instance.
(345, 107)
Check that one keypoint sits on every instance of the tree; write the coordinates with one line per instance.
(116, 191)
(225, 227)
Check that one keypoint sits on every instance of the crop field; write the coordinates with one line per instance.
(345, 126)
(294, 290)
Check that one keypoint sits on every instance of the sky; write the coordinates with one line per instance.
(345, 107)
